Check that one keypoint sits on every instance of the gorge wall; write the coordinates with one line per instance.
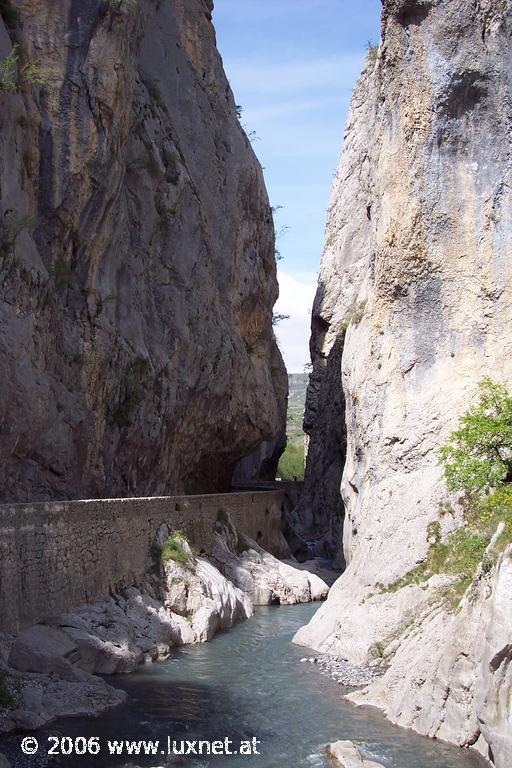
(137, 271)
(415, 299)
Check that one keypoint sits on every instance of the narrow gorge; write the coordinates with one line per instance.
(156, 579)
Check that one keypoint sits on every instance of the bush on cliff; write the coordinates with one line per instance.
(177, 548)
(8, 67)
(478, 455)
(477, 460)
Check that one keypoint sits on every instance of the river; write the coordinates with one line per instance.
(246, 683)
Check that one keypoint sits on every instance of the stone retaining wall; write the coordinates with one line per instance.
(55, 556)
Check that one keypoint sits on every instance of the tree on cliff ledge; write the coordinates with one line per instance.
(478, 455)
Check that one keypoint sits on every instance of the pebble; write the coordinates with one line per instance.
(343, 672)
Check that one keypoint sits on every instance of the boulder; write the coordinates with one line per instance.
(201, 593)
(264, 578)
(345, 754)
(46, 650)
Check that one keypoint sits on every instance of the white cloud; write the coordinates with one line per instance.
(295, 299)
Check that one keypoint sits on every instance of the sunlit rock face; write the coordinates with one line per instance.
(137, 272)
(416, 288)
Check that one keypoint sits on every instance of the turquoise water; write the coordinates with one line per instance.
(247, 683)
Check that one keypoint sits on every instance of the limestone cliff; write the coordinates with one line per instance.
(415, 295)
(137, 272)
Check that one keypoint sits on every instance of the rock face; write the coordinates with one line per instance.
(137, 272)
(415, 289)
(318, 517)
(44, 677)
(450, 676)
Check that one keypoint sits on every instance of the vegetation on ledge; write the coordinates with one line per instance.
(478, 455)
(177, 548)
(477, 460)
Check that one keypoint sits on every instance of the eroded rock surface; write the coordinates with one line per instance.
(44, 680)
(50, 670)
(137, 270)
(262, 576)
(416, 289)
(449, 674)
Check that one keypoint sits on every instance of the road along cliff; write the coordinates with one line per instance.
(166, 572)
(413, 309)
(137, 270)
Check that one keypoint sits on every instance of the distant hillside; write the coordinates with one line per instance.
(297, 383)
(292, 460)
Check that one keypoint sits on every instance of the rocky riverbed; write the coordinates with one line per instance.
(343, 672)
(247, 682)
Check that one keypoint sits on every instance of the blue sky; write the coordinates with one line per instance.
(292, 65)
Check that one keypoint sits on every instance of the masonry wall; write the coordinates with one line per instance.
(55, 556)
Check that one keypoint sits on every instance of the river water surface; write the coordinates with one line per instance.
(247, 683)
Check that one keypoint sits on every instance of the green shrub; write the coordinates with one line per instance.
(478, 455)
(477, 460)
(173, 549)
(291, 463)
(36, 74)
(372, 51)
(488, 512)
(31, 72)
(353, 315)
(222, 517)
(434, 532)
(243, 546)
(377, 650)
(8, 67)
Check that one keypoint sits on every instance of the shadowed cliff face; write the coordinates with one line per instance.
(416, 287)
(137, 272)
